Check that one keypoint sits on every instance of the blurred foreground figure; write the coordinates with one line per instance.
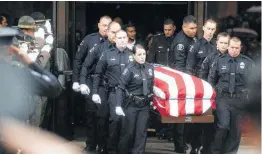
(14, 105)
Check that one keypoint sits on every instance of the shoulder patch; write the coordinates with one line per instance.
(180, 47)
(131, 58)
(125, 71)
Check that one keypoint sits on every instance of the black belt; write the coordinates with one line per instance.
(233, 95)
(140, 101)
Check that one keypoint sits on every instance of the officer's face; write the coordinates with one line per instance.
(209, 29)
(121, 40)
(103, 26)
(190, 29)
(112, 32)
(4, 22)
(169, 30)
(140, 56)
(222, 44)
(131, 32)
(234, 48)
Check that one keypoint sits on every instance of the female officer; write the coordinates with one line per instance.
(134, 95)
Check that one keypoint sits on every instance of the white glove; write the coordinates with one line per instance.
(96, 99)
(119, 111)
(33, 55)
(76, 87)
(46, 48)
(24, 48)
(84, 89)
(49, 39)
(40, 33)
(48, 26)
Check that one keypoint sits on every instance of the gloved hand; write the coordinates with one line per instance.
(84, 89)
(76, 87)
(96, 99)
(46, 48)
(119, 111)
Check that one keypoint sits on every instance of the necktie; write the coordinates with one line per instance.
(232, 77)
(145, 89)
(122, 64)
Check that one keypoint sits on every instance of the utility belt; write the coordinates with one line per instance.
(137, 101)
(243, 94)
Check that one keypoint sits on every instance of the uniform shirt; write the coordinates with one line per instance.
(110, 66)
(131, 80)
(16, 81)
(92, 58)
(208, 63)
(179, 50)
(197, 53)
(87, 44)
(159, 49)
(220, 72)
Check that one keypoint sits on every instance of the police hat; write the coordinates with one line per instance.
(26, 22)
(38, 17)
(6, 35)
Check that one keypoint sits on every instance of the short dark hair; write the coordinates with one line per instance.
(130, 24)
(189, 19)
(2, 15)
(169, 22)
(137, 46)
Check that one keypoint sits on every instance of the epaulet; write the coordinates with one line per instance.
(93, 34)
(244, 56)
(130, 65)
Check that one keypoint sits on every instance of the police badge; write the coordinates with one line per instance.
(150, 72)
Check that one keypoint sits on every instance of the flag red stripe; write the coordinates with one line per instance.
(199, 89)
(181, 90)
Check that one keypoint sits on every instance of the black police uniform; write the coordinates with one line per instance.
(208, 129)
(159, 53)
(207, 64)
(136, 84)
(15, 81)
(179, 50)
(177, 59)
(97, 118)
(108, 71)
(159, 49)
(89, 42)
(196, 55)
(229, 76)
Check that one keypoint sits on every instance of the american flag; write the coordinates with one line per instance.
(180, 94)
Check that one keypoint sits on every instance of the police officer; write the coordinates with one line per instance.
(222, 45)
(136, 84)
(177, 59)
(229, 77)
(196, 55)
(201, 49)
(209, 129)
(161, 43)
(98, 118)
(87, 44)
(159, 53)
(182, 43)
(108, 71)
(25, 41)
(17, 80)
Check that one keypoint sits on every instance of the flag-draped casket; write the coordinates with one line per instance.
(180, 94)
